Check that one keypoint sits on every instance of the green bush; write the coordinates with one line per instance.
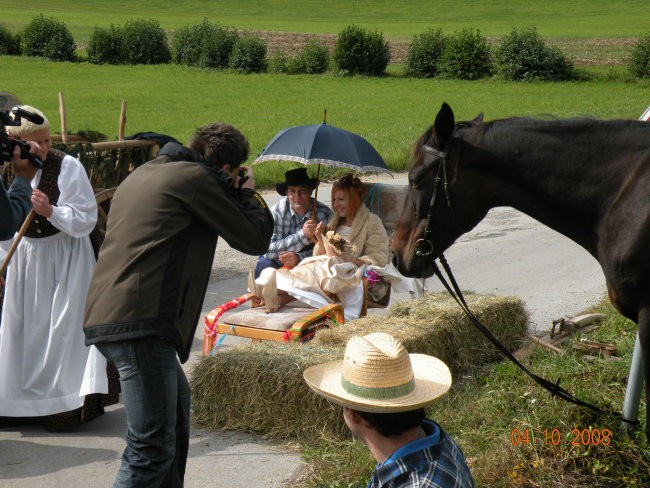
(49, 38)
(278, 62)
(640, 59)
(249, 55)
(360, 51)
(313, 58)
(144, 42)
(106, 46)
(523, 55)
(9, 43)
(424, 54)
(466, 56)
(205, 45)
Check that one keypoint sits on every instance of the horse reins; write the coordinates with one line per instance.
(424, 248)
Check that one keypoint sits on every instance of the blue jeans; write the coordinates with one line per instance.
(263, 263)
(156, 398)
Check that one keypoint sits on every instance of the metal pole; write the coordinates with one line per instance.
(634, 386)
(635, 378)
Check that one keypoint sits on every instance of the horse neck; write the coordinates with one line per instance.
(564, 180)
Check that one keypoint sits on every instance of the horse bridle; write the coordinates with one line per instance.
(424, 246)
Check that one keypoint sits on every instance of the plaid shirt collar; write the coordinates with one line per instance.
(437, 463)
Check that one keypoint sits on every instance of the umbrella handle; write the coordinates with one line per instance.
(313, 211)
(17, 239)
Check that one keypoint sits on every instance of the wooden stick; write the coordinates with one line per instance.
(313, 212)
(17, 239)
(64, 128)
(120, 130)
(105, 146)
(545, 344)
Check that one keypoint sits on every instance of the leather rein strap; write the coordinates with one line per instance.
(424, 248)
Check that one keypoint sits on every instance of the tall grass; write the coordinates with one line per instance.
(390, 112)
(403, 19)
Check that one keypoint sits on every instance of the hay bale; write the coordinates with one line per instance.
(259, 388)
(436, 325)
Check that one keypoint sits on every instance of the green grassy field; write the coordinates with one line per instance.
(391, 112)
(403, 19)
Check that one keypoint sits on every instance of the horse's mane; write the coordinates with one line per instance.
(549, 121)
(545, 123)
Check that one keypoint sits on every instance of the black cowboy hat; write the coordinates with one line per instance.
(296, 177)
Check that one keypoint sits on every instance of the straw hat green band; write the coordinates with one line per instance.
(380, 393)
(377, 374)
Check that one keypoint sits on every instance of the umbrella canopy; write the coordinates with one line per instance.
(323, 144)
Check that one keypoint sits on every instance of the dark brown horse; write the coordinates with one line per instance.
(587, 179)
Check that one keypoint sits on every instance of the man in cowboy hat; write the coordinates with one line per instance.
(294, 228)
(383, 390)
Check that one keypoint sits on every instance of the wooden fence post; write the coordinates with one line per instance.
(120, 130)
(64, 128)
(119, 170)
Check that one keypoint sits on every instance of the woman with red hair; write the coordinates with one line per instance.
(353, 239)
(356, 224)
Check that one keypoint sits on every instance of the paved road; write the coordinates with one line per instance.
(508, 253)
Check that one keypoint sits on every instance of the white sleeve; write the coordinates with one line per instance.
(76, 211)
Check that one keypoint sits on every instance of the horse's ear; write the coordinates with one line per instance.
(478, 119)
(444, 124)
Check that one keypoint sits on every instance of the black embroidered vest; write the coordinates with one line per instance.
(40, 226)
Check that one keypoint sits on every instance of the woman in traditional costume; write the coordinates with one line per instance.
(353, 242)
(43, 358)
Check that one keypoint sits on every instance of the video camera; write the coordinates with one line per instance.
(13, 117)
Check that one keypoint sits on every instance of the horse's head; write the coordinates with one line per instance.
(439, 205)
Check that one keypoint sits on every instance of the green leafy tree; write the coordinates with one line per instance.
(523, 55)
(358, 51)
(466, 56)
(424, 54)
(249, 55)
(49, 38)
(640, 59)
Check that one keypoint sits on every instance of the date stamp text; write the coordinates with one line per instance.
(555, 437)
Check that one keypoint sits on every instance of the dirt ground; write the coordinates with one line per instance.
(583, 52)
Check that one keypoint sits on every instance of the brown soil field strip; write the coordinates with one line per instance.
(583, 52)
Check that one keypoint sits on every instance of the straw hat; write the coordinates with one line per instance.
(378, 375)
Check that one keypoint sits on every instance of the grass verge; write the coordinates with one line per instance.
(390, 112)
(514, 434)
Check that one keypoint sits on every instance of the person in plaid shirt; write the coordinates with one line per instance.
(383, 389)
(293, 232)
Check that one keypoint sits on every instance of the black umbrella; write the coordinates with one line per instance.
(323, 144)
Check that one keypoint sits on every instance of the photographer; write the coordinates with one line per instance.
(145, 297)
(15, 202)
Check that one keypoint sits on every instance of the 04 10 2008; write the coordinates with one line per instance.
(554, 437)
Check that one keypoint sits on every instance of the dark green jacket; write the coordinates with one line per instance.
(154, 265)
